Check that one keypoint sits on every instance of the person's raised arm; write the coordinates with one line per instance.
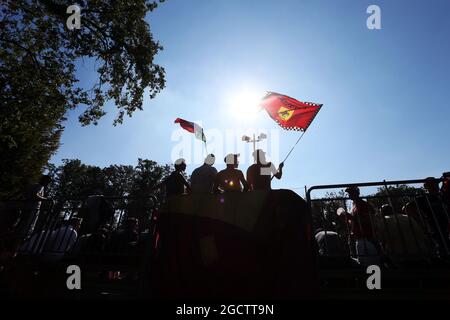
(279, 173)
(36, 194)
(39, 197)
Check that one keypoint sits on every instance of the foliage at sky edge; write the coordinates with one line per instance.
(74, 180)
(37, 74)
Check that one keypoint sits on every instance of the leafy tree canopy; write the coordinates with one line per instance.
(38, 83)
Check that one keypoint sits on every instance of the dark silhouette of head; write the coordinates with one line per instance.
(131, 225)
(231, 160)
(104, 229)
(180, 165)
(386, 210)
(95, 191)
(75, 223)
(410, 209)
(431, 185)
(45, 180)
(353, 192)
(445, 189)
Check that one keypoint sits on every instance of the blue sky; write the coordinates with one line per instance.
(385, 92)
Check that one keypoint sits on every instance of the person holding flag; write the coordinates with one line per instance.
(290, 114)
(259, 174)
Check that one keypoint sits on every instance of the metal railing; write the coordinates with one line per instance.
(416, 230)
(54, 235)
(390, 239)
(108, 256)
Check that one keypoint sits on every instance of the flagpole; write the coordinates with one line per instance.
(292, 149)
(298, 140)
(204, 137)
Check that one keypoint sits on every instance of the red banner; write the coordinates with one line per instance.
(289, 113)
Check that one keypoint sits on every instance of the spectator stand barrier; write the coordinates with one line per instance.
(411, 242)
(113, 261)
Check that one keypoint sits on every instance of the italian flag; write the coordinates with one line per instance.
(192, 127)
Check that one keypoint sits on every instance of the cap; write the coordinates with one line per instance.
(231, 158)
(210, 159)
(352, 188)
(180, 161)
(431, 180)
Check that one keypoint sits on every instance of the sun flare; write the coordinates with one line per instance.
(245, 104)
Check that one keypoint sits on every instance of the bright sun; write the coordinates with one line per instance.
(245, 104)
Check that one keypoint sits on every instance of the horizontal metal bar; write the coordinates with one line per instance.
(361, 184)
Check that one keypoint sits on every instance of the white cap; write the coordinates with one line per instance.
(229, 159)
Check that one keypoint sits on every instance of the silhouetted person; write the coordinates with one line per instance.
(202, 178)
(230, 179)
(259, 174)
(433, 207)
(96, 211)
(361, 228)
(176, 183)
(34, 195)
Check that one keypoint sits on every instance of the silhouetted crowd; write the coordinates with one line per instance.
(206, 179)
(42, 235)
(90, 229)
(417, 234)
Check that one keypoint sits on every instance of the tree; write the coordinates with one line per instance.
(38, 84)
(73, 181)
(397, 196)
(324, 211)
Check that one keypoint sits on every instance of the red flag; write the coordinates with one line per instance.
(192, 127)
(289, 113)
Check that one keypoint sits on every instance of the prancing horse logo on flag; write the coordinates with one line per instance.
(285, 114)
